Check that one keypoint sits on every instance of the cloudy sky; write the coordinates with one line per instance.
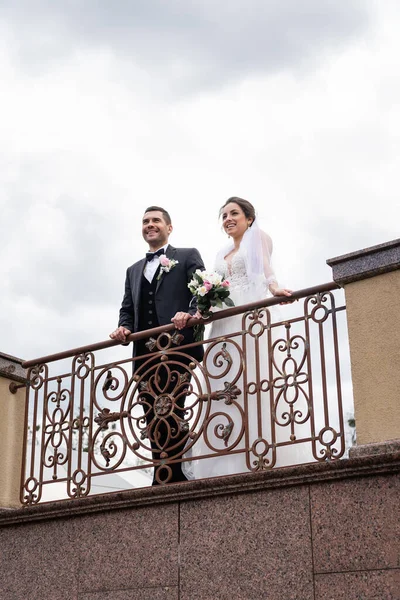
(107, 107)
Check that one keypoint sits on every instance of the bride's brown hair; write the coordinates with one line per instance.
(245, 205)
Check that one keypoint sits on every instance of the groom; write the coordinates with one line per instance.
(156, 293)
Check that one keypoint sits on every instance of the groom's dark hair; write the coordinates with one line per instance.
(164, 212)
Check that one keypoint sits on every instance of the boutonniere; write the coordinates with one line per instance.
(166, 264)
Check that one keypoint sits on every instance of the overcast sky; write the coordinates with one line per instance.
(108, 107)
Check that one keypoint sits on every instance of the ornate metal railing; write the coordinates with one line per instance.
(267, 395)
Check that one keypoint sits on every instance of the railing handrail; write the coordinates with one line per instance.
(155, 331)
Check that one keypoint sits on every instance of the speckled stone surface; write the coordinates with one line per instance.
(129, 549)
(206, 488)
(372, 585)
(368, 262)
(39, 562)
(148, 593)
(247, 547)
(356, 524)
(49, 594)
(275, 535)
(375, 449)
(10, 367)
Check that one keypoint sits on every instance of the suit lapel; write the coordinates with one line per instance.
(137, 283)
(170, 253)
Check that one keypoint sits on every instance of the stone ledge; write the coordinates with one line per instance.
(11, 368)
(363, 466)
(375, 449)
(366, 263)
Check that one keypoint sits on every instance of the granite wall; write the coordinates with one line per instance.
(316, 532)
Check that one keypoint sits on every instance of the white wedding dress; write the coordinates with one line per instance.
(240, 426)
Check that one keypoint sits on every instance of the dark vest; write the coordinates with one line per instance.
(147, 309)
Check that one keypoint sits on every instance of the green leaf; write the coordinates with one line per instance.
(229, 302)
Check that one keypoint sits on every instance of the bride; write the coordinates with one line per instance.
(238, 425)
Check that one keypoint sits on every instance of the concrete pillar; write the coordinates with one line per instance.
(371, 280)
(12, 415)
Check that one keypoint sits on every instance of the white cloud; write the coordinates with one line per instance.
(187, 45)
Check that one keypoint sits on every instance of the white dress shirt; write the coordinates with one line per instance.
(152, 265)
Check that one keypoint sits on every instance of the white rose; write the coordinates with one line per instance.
(202, 291)
(215, 279)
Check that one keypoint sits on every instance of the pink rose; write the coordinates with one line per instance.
(225, 283)
(208, 285)
(164, 260)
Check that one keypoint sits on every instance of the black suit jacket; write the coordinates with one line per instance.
(172, 293)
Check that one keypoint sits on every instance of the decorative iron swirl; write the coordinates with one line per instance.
(37, 375)
(223, 426)
(145, 396)
(159, 391)
(109, 449)
(164, 341)
(327, 437)
(290, 381)
(315, 304)
(29, 495)
(149, 412)
(256, 325)
(55, 430)
(79, 478)
(82, 364)
(262, 386)
(262, 463)
(160, 471)
(223, 432)
(57, 427)
(110, 383)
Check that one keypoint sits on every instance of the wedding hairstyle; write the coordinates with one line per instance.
(245, 205)
(165, 213)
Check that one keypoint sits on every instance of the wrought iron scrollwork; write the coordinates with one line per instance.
(164, 341)
(105, 417)
(259, 392)
(228, 394)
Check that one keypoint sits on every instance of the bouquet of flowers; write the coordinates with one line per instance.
(211, 290)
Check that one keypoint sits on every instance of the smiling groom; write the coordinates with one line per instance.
(156, 293)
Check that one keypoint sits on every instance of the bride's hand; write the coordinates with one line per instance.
(198, 315)
(277, 291)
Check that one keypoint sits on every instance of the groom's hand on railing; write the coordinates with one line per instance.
(180, 319)
(120, 334)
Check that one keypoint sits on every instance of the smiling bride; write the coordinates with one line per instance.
(233, 427)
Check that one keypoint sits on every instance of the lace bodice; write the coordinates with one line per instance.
(249, 269)
(235, 272)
